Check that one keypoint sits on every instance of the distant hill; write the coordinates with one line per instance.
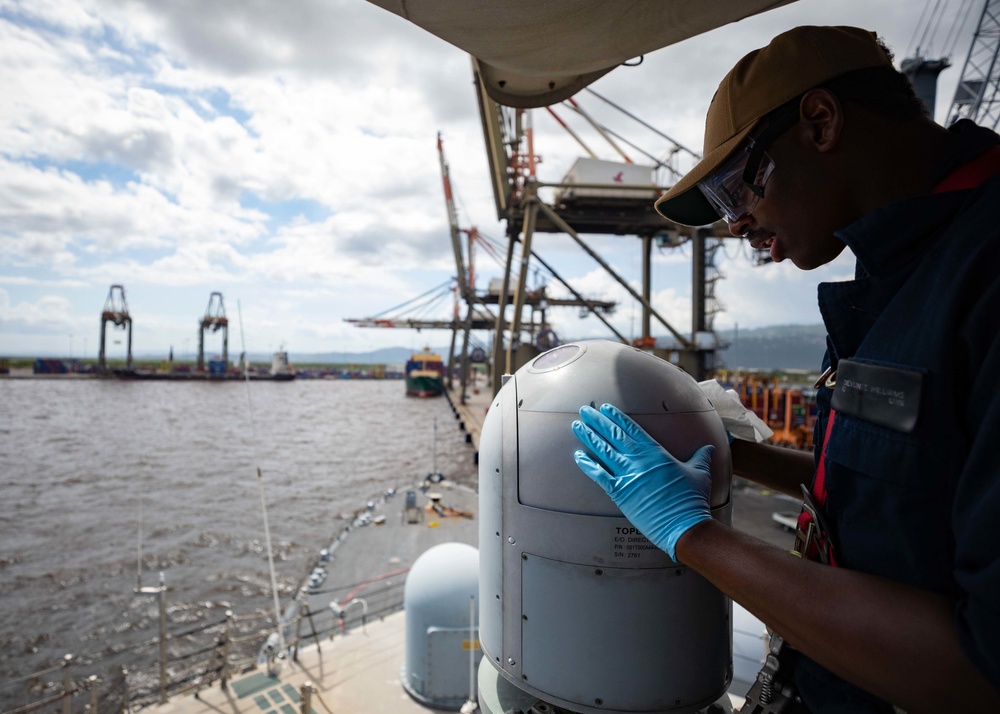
(762, 348)
(775, 347)
(386, 355)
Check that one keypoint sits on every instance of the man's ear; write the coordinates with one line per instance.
(822, 115)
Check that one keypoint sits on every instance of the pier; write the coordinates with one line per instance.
(471, 413)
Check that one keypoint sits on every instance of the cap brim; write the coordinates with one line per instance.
(683, 202)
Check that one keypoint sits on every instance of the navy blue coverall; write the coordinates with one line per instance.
(917, 504)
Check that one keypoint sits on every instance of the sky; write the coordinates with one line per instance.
(284, 154)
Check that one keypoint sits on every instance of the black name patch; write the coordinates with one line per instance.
(888, 396)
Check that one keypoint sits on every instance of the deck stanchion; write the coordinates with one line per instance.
(307, 690)
(92, 686)
(163, 638)
(126, 706)
(298, 626)
(67, 703)
(312, 625)
(227, 633)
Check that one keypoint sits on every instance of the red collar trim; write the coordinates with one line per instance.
(972, 173)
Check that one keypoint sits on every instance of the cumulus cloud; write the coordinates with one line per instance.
(49, 312)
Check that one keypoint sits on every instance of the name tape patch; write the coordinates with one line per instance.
(888, 396)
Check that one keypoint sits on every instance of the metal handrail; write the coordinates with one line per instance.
(252, 616)
(189, 655)
(198, 628)
(247, 638)
(212, 669)
(33, 675)
(36, 705)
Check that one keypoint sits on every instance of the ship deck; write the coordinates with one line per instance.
(359, 670)
(355, 672)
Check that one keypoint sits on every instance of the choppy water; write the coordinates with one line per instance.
(81, 459)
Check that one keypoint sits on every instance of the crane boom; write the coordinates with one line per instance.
(456, 234)
(478, 323)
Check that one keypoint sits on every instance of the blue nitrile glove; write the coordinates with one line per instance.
(661, 496)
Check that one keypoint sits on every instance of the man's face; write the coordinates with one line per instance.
(799, 212)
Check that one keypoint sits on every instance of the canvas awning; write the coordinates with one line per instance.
(533, 53)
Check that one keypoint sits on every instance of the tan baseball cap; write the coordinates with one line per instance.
(794, 62)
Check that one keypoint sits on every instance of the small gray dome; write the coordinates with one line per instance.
(441, 588)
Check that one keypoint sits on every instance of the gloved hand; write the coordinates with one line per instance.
(661, 496)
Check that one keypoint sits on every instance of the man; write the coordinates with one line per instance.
(813, 144)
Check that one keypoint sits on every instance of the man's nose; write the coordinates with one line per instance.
(741, 226)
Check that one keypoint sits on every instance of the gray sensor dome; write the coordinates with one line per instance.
(439, 589)
(577, 608)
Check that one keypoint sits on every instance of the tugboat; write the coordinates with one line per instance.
(424, 374)
(281, 371)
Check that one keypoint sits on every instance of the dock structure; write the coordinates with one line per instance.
(470, 412)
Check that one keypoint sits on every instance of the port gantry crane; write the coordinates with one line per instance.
(478, 316)
(116, 312)
(466, 280)
(581, 206)
(214, 319)
(536, 300)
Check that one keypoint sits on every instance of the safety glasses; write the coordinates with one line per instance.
(735, 187)
(727, 188)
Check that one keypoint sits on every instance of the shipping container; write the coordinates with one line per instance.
(49, 366)
(611, 174)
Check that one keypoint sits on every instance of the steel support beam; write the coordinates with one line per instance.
(558, 221)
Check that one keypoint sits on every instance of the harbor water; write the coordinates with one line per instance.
(88, 465)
